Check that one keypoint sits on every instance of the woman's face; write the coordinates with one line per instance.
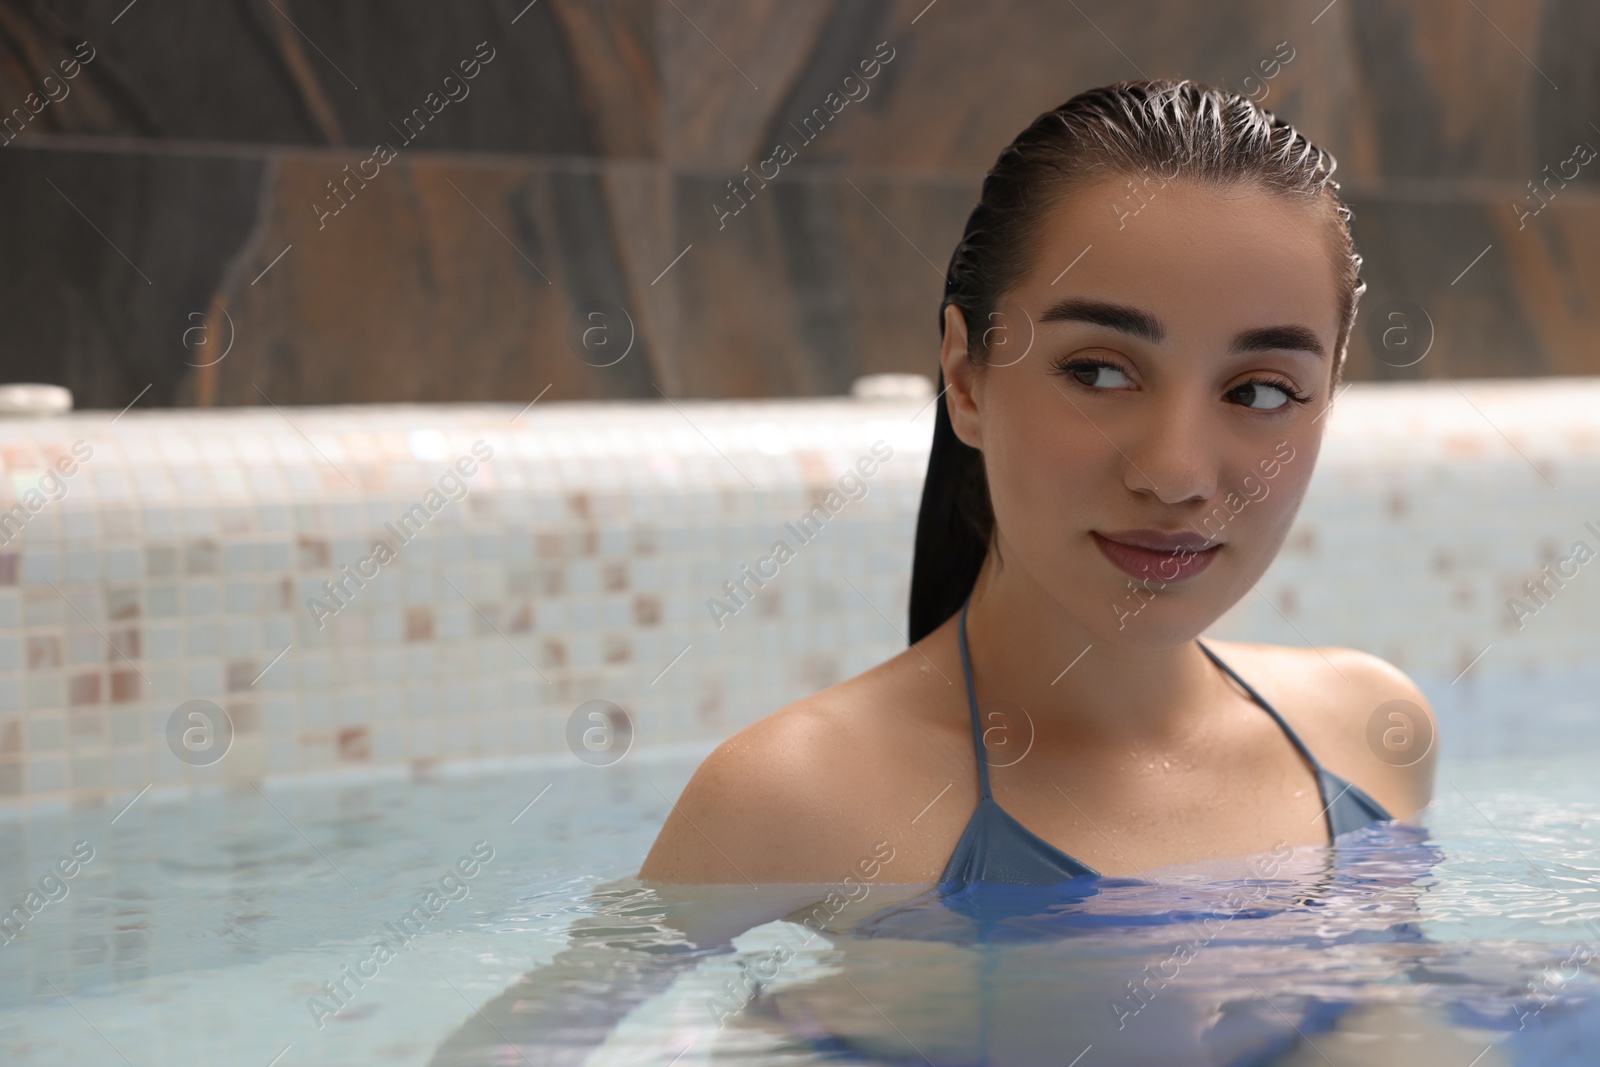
(1147, 451)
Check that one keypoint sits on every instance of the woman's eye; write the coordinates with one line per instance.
(1099, 375)
(1263, 396)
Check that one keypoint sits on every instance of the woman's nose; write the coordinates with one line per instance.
(1172, 455)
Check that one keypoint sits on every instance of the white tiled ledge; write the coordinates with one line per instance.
(578, 564)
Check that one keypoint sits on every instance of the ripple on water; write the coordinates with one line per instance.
(1456, 940)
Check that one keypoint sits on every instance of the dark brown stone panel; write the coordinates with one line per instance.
(850, 37)
(42, 56)
(441, 280)
(640, 199)
(1552, 275)
(812, 253)
(726, 66)
(1445, 94)
(821, 278)
(349, 73)
(524, 99)
(738, 335)
(1568, 111)
(203, 72)
(1396, 89)
(1415, 250)
(111, 260)
(614, 46)
(890, 225)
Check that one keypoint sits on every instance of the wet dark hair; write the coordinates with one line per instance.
(1136, 130)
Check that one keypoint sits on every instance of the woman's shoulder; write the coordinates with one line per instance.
(1362, 717)
(797, 795)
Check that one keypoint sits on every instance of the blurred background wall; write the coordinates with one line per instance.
(198, 210)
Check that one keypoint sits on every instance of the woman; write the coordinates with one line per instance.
(1143, 327)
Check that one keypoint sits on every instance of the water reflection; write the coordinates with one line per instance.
(1329, 962)
(201, 929)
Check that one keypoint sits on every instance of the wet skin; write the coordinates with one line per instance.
(1173, 389)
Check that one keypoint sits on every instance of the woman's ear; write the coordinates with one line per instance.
(962, 379)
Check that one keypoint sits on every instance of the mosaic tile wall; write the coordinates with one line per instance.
(178, 561)
(563, 553)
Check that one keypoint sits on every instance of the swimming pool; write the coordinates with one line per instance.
(192, 911)
(204, 930)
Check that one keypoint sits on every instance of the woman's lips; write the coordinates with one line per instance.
(1155, 555)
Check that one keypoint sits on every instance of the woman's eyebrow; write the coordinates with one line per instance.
(1277, 338)
(1142, 324)
(1119, 317)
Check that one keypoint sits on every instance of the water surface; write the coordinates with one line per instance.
(243, 926)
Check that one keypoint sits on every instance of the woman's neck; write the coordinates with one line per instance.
(1029, 649)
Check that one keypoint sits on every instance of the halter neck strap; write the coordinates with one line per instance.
(978, 747)
(1268, 708)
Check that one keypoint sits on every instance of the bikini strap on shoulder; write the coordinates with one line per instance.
(978, 748)
(1270, 710)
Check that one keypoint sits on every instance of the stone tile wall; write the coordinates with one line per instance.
(172, 204)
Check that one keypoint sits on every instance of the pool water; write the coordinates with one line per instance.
(394, 922)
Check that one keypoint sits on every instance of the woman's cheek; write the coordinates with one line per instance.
(1275, 513)
(1046, 485)
(1020, 466)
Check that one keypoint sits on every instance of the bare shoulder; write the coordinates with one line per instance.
(1362, 717)
(772, 774)
(796, 797)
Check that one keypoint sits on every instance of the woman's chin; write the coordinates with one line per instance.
(1159, 622)
(1171, 631)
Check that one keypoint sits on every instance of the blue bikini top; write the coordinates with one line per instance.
(997, 848)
